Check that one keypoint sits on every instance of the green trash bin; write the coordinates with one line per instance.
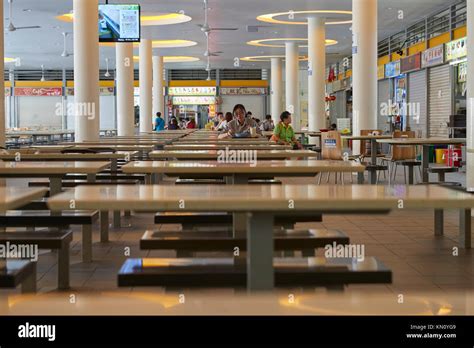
(432, 153)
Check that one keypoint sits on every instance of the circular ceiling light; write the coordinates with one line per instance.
(9, 60)
(268, 58)
(147, 19)
(280, 42)
(174, 59)
(159, 43)
(271, 17)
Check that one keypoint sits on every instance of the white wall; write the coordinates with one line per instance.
(39, 111)
(253, 103)
(107, 113)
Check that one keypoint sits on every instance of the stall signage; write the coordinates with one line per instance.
(392, 69)
(194, 100)
(38, 92)
(8, 91)
(411, 63)
(381, 72)
(456, 49)
(106, 91)
(432, 56)
(243, 91)
(192, 91)
(337, 85)
(462, 72)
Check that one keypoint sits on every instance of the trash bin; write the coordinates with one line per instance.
(440, 156)
(453, 157)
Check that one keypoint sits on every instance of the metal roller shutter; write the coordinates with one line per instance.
(383, 99)
(439, 100)
(417, 96)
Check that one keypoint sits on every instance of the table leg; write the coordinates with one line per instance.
(425, 162)
(410, 175)
(360, 178)
(239, 223)
(465, 232)
(55, 185)
(439, 222)
(117, 213)
(260, 273)
(3, 261)
(373, 162)
(29, 284)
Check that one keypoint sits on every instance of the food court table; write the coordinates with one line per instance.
(214, 154)
(373, 152)
(193, 147)
(426, 143)
(261, 203)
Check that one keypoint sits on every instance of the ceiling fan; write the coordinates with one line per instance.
(205, 28)
(11, 26)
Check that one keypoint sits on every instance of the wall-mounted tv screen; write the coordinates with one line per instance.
(119, 23)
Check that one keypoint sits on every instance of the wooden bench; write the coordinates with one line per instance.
(190, 219)
(192, 241)
(44, 218)
(229, 272)
(19, 272)
(56, 240)
(442, 171)
(74, 183)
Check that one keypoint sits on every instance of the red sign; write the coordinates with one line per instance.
(410, 63)
(38, 92)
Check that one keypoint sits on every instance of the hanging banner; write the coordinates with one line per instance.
(192, 91)
(432, 56)
(462, 72)
(456, 49)
(392, 69)
(381, 72)
(411, 63)
(243, 91)
(38, 92)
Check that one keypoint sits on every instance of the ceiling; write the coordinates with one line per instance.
(44, 46)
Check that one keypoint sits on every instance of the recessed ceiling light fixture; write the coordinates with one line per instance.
(271, 17)
(268, 58)
(150, 18)
(280, 42)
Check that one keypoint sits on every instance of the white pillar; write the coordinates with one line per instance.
(2, 89)
(316, 73)
(86, 70)
(146, 84)
(125, 109)
(364, 67)
(470, 97)
(291, 83)
(276, 88)
(158, 98)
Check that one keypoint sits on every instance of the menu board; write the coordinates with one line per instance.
(119, 23)
(392, 69)
(462, 72)
(411, 63)
(243, 91)
(432, 56)
(38, 92)
(456, 49)
(104, 91)
(194, 100)
(192, 91)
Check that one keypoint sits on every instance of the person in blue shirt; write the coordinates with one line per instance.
(159, 122)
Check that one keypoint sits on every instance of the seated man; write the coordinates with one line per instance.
(284, 133)
(240, 126)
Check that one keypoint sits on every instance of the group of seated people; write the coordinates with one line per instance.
(240, 124)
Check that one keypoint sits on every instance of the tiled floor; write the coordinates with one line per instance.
(403, 240)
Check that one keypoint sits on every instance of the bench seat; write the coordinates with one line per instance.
(229, 272)
(58, 240)
(19, 272)
(224, 240)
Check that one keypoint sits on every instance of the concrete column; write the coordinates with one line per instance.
(2, 90)
(291, 83)
(470, 97)
(316, 73)
(86, 70)
(276, 86)
(364, 66)
(146, 84)
(125, 109)
(158, 98)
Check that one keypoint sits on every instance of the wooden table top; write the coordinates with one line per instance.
(40, 132)
(422, 141)
(46, 168)
(141, 147)
(52, 156)
(311, 167)
(213, 154)
(223, 147)
(249, 141)
(274, 198)
(12, 197)
(366, 137)
(113, 142)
